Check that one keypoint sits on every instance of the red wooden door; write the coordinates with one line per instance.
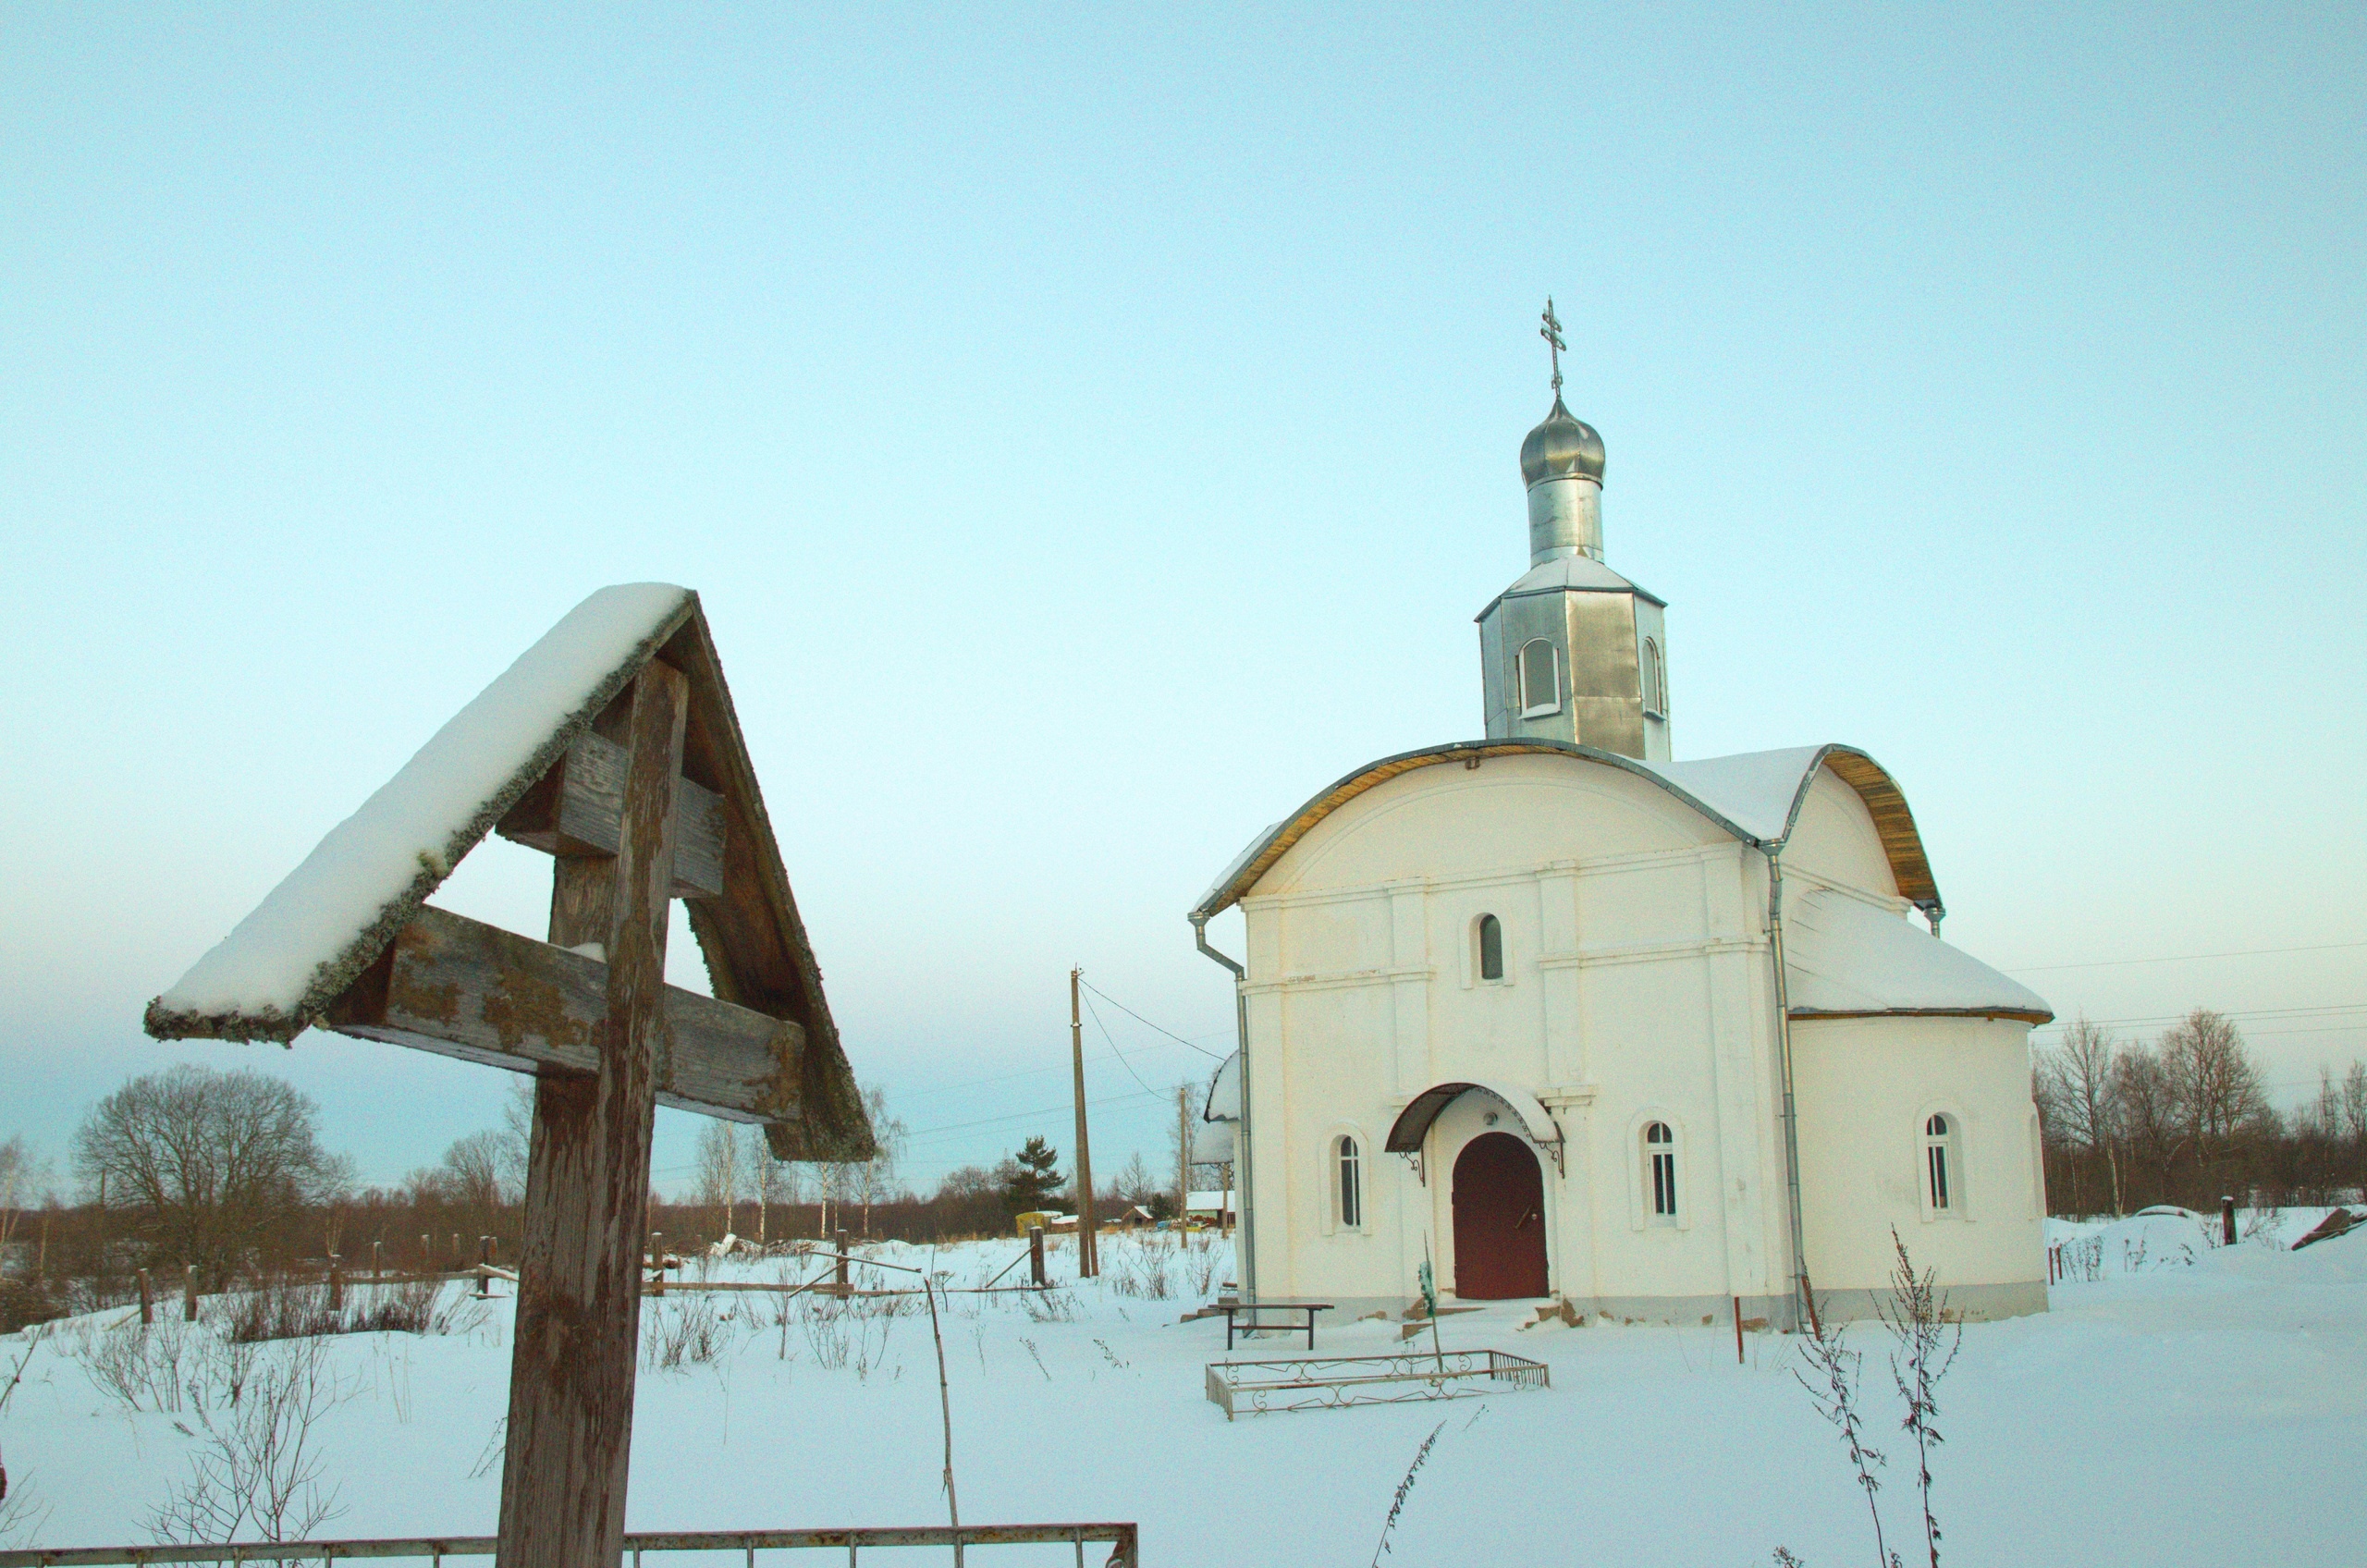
(1499, 1199)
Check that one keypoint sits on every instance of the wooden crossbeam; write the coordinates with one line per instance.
(577, 808)
(461, 988)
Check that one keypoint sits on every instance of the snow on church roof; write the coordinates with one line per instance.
(1756, 796)
(296, 951)
(1844, 957)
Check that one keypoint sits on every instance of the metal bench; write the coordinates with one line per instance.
(1242, 1317)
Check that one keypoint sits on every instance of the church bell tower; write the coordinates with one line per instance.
(1573, 650)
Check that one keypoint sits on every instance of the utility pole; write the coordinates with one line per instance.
(1089, 1255)
(1182, 1155)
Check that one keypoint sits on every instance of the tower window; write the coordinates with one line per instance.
(1660, 1160)
(1352, 1186)
(1491, 948)
(1942, 1179)
(1655, 679)
(1539, 677)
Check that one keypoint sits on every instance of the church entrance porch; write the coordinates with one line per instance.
(1499, 1199)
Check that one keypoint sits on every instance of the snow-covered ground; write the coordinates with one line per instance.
(2190, 1404)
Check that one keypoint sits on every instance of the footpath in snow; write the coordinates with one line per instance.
(2181, 1403)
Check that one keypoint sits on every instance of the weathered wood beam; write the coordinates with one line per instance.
(577, 808)
(578, 1326)
(462, 988)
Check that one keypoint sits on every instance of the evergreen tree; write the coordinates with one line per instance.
(1033, 1179)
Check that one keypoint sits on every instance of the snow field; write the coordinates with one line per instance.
(2205, 1410)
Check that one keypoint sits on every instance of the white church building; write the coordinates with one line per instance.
(1576, 1020)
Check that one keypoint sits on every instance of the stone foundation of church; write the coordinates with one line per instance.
(1973, 1303)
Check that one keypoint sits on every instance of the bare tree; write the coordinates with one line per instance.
(20, 1171)
(2079, 1092)
(778, 1182)
(876, 1177)
(207, 1160)
(719, 1175)
(2217, 1079)
(474, 1171)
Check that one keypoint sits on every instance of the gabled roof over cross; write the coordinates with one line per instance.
(347, 941)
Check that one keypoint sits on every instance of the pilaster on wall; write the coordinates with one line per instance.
(1753, 1196)
(1557, 925)
(1409, 957)
(1269, 1194)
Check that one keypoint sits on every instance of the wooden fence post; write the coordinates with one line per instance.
(840, 1279)
(485, 1263)
(2228, 1219)
(375, 1269)
(188, 1292)
(147, 1301)
(1035, 1254)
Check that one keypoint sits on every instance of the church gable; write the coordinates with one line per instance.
(1834, 838)
(1509, 814)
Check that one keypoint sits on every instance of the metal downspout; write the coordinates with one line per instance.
(1247, 1262)
(1806, 1300)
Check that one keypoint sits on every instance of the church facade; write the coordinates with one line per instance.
(1572, 1019)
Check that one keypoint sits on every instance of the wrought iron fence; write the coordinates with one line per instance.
(1321, 1382)
(1121, 1539)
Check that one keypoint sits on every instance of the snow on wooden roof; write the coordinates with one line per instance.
(334, 915)
(331, 915)
(1847, 958)
(1756, 796)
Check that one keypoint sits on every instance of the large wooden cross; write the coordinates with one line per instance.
(631, 772)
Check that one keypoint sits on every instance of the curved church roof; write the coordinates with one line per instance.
(1756, 796)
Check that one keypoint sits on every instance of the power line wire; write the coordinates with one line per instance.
(2183, 958)
(1114, 1045)
(1140, 1019)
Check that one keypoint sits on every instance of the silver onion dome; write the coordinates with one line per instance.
(1561, 447)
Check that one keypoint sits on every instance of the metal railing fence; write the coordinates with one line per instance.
(1121, 1539)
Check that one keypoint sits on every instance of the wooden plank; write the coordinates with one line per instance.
(576, 809)
(758, 953)
(578, 1326)
(461, 988)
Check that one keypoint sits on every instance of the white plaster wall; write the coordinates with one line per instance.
(1636, 989)
(1866, 1087)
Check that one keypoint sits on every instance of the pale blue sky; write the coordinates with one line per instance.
(1093, 431)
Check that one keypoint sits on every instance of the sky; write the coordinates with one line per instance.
(1092, 432)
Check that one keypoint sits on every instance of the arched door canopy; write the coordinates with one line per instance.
(1413, 1123)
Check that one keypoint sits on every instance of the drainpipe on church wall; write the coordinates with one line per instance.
(1247, 1262)
(1806, 1297)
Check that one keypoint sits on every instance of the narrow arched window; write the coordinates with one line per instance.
(1941, 1177)
(1351, 1185)
(1491, 948)
(1655, 680)
(1541, 678)
(1659, 1157)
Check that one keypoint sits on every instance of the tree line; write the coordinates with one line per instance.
(2186, 1118)
(224, 1173)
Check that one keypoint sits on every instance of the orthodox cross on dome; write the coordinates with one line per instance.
(1551, 332)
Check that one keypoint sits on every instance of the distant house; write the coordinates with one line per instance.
(1212, 1207)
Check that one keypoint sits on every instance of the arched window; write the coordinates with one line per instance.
(1491, 948)
(1660, 1160)
(1539, 675)
(1351, 1185)
(1655, 679)
(1941, 1177)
